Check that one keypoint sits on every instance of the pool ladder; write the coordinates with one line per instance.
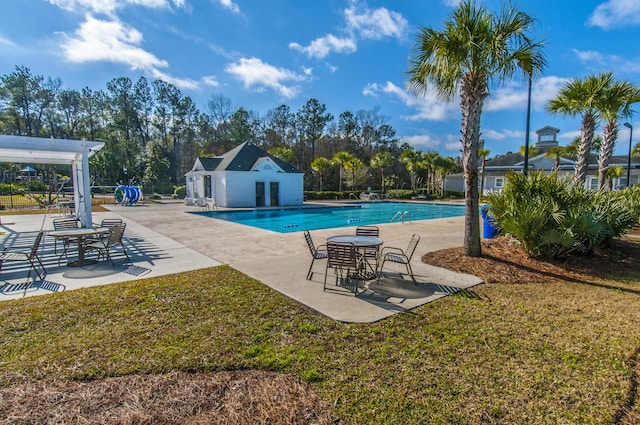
(401, 216)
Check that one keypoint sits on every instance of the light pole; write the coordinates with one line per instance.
(630, 127)
(526, 136)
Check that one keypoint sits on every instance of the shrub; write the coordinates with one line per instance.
(10, 188)
(401, 193)
(37, 186)
(317, 195)
(552, 218)
(179, 192)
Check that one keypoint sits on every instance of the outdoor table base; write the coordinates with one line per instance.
(362, 243)
(81, 235)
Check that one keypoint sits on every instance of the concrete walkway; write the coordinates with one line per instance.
(186, 241)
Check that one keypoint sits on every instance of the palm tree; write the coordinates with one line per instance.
(352, 165)
(636, 151)
(611, 173)
(382, 160)
(532, 151)
(429, 162)
(444, 167)
(341, 158)
(581, 97)
(321, 165)
(614, 105)
(556, 153)
(412, 159)
(476, 47)
(483, 153)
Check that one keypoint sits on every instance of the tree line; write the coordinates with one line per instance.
(153, 133)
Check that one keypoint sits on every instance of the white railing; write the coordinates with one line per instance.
(401, 216)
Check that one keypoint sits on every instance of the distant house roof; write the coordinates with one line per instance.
(548, 129)
(243, 157)
(515, 160)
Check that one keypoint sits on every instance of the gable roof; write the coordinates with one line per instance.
(243, 157)
(515, 160)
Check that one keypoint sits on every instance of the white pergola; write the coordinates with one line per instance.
(40, 150)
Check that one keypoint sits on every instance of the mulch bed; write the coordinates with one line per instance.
(504, 261)
(246, 397)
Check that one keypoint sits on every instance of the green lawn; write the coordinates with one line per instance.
(554, 353)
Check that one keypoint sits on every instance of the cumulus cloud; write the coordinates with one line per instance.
(615, 13)
(427, 107)
(424, 141)
(360, 23)
(255, 73)
(514, 95)
(112, 41)
(323, 46)
(375, 24)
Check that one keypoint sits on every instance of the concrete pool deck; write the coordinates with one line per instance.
(281, 260)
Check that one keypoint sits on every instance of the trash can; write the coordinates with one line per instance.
(489, 229)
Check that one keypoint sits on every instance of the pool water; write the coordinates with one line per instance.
(287, 220)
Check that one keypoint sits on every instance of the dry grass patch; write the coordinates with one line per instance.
(248, 397)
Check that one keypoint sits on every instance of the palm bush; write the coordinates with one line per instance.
(550, 217)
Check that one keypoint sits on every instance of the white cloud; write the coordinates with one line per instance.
(6, 41)
(488, 133)
(375, 24)
(491, 134)
(451, 3)
(108, 7)
(569, 135)
(453, 146)
(111, 41)
(182, 83)
(514, 95)
(230, 5)
(428, 106)
(323, 46)
(360, 22)
(424, 141)
(210, 80)
(255, 73)
(607, 61)
(615, 13)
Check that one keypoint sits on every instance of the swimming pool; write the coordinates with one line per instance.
(287, 220)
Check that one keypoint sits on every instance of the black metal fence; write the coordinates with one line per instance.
(36, 194)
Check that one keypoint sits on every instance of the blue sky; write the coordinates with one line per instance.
(349, 54)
